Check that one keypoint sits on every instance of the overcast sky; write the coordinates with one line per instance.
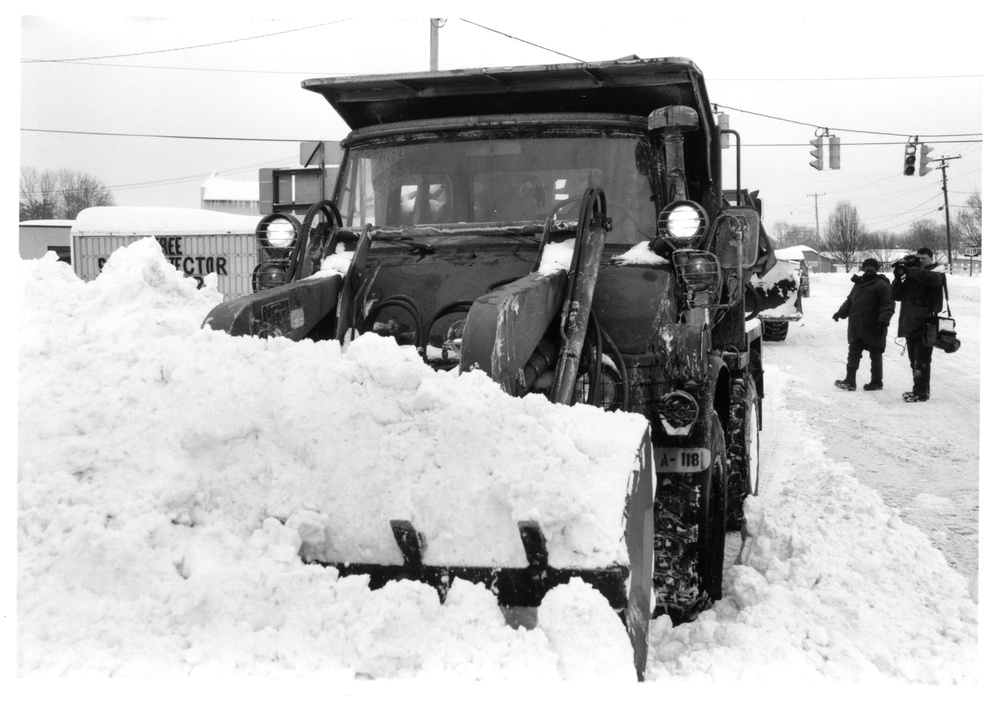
(178, 98)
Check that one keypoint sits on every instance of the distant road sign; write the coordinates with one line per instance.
(973, 251)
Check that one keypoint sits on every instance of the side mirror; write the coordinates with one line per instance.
(738, 238)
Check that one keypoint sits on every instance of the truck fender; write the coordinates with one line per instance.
(289, 311)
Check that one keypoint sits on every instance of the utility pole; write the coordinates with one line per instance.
(947, 215)
(816, 204)
(435, 26)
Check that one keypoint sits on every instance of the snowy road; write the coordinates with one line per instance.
(923, 459)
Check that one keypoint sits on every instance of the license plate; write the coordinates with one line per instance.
(682, 459)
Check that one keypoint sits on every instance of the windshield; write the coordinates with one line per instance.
(451, 183)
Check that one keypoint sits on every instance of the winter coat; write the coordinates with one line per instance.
(920, 294)
(868, 309)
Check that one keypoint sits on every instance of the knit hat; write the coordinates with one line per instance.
(871, 262)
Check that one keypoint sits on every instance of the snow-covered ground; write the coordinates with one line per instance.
(923, 459)
(170, 476)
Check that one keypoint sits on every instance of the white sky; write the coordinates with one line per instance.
(871, 76)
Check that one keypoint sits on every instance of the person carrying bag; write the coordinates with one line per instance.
(919, 289)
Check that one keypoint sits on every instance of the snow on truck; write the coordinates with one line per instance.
(779, 294)
(563, 229)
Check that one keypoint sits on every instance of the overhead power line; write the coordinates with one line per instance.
(852, 78)
(267, 139)
(840, 129)
(164, 51)
(757, 79)
(518, 39)
(170, 137)
(207, 70)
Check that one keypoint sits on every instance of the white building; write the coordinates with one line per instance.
(40, 236)
(230, 196)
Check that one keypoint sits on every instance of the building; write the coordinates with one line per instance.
(230, 196)
(36, 237)
(816, 261)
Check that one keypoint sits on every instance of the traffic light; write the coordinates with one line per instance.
(925, 159)
(910, 160)
(834, 152)
(817, 162)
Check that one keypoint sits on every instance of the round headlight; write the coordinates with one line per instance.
(280, 234)
(268, 275)
(277, 230)
(682, 223)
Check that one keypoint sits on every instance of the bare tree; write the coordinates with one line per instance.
(926, 233)
(883, 245)
(786, 235)
(51, 195)
(969, 222)
(79, 191)
(39, 196)
(845, 234)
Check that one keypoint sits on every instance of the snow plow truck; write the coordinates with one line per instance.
(457, 191)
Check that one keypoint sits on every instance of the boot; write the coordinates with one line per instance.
(921, 383)
(849, 383)
(876, 382)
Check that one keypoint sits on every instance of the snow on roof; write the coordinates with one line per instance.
(793, 252)
(159, 220)
(219, 188)
(51, 223)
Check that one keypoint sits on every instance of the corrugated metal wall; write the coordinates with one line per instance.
(231, 257)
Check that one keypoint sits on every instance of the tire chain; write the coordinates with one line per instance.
(675, 543)
(736, 450)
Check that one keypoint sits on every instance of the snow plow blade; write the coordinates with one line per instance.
(626, 587)
(292, 311)
(514, 587)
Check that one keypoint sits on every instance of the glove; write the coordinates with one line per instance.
(836, 316)
(899, 271)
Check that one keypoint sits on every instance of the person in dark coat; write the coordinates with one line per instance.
(868, 309)
(920, 291)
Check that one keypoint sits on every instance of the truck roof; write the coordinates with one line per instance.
(629, 86)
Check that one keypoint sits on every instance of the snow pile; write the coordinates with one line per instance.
(967, 288)
(170, 477)
(832, 584)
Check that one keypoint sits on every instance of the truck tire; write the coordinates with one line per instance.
(744, 446)
(690, 535)
(775, 330)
